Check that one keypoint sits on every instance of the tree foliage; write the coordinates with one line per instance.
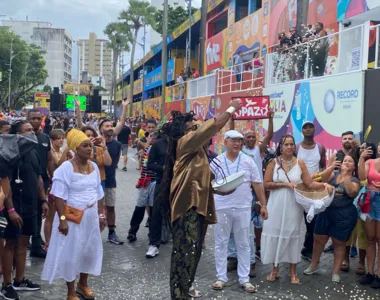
(138, 15)
(120, 37)
(28, 67)
(47, 89)
(176, 16)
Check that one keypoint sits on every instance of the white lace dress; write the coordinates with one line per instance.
(281, 238)
(81, 251)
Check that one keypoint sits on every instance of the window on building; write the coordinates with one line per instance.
(245, 8)
(217, 24)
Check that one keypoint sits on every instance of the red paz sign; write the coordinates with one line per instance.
(253, 107)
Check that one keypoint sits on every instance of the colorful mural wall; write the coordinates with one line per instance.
(283, 15)
(259, 31)
(203, 107)
(175, 105)
(349, 8)
(320, 101)
(248, 35)
(152, 108)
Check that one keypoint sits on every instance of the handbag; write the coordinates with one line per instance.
(73, 214)
(143, 182)
(364, 202)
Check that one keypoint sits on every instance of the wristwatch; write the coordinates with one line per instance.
(62, 218)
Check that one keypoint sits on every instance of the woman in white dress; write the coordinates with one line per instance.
(281, 238)
(76, 245)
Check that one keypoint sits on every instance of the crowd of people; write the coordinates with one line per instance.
(73, 185)
(299, 57)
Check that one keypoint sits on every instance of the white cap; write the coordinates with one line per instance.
(233, 134)
(307, 123)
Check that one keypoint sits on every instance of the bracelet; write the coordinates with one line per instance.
(44, 201)
(11, 210)
(102, 216)
(231, 110)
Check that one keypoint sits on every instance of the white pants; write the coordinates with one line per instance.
(236, 221)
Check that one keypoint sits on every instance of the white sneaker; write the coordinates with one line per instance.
(152, 252)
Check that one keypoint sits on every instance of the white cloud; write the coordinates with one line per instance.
(79, 17)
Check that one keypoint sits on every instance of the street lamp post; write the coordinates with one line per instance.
(11, 57)
(143, 69)
(10, 76)
(164, 56)
(189, 53)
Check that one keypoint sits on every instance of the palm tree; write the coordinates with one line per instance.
(119, 41)
(138, 15)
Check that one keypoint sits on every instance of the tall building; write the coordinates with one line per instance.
(55, 41)
(95, 57)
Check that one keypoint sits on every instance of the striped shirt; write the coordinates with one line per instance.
(145, 172)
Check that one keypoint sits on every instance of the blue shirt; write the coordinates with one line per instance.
(238, 62)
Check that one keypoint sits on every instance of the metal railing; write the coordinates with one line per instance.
(339, 52)
(177, 92)
(375, 32)
(245, 76)
(202, 86)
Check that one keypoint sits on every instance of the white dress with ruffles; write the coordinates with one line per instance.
(81, 250)
(281, 239)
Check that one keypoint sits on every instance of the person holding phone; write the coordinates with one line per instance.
(339, 219)
(349, 145)
(100, 154)
(369, 169)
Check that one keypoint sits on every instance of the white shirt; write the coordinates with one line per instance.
(242, 197)
(311, 157)
(256, 155)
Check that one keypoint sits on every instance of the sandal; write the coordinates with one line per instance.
(310, 271)
(360, 270)
(248, 287)
(294, 279)
(194, 293)
(218, 285)
(273, 276)
(85, 292)
(345, 267)
(336, 278)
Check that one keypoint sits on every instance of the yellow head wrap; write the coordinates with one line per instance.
(75, 137)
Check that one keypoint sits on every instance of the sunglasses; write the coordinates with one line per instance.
(192, 127)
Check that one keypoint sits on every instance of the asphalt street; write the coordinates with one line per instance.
(127, 274)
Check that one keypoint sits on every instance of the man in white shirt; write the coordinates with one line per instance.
(234, 209)
(314, 156)
(256, 152)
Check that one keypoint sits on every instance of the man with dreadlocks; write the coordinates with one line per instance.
(187, 185)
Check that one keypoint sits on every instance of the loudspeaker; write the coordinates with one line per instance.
(96, 104)
(55, 102)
